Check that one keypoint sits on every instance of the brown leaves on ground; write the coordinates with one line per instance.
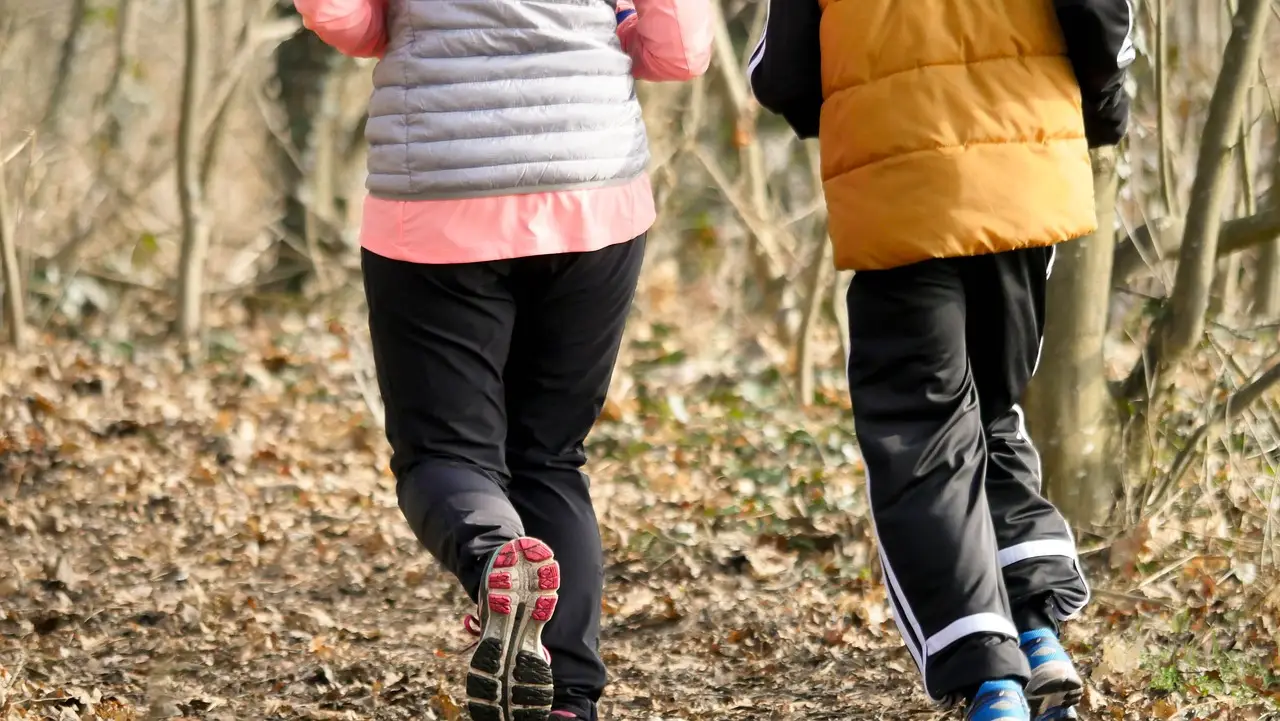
(226, 544)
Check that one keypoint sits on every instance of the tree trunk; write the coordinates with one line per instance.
(1223, 298)
(195, 228)
(327, 209)
(1069, 410)
(1266, 289)
(1181, 328)
(840, 308)
(303, 64)
(235, 31)
(1224, 295)
(817, 280)
(771, 275)
(15, 315)
(1226, 287)
(66, 59)
(126, 12)
(1163, 160)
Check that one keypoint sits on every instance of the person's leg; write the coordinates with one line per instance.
(440, 336)
(571, 312)
(915, 412)
(1037, 553)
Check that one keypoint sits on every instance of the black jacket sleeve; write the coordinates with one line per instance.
(1099, 39)
(786, 68)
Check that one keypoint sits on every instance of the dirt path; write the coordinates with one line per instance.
(225, 545)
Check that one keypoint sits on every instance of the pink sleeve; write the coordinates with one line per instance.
(353, 27)
(666, 39)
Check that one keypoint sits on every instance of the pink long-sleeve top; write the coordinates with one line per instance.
(668, 40)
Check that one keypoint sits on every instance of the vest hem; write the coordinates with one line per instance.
(498, 192)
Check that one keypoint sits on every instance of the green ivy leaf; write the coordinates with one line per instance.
(144, 250)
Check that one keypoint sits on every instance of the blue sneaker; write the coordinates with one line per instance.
(999, 701)
(1055, 687)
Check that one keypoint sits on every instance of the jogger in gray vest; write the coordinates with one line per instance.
(502, 240)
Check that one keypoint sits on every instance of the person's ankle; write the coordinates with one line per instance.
(572, 707)
(994, 686)
(1037, 634)
(1034, 615)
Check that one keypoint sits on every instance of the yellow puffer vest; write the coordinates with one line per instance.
(949, 128)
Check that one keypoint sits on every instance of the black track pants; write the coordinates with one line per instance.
(492, 375)
(940, 354)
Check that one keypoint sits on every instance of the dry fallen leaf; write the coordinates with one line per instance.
(1120, 656)
(445, 705)
(767, 562)
(63, 572)
(1164, 709)
(285, 584)
(1128, 549)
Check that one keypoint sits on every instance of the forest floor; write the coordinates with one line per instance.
(225, 544)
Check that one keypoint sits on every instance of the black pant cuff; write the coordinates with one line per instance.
(960, 668)
(1034, 615)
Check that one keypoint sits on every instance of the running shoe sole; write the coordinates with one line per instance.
(510, 676)
(1053, 691)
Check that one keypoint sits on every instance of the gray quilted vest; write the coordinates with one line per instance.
(497, 97)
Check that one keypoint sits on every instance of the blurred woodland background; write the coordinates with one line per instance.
(180, 192)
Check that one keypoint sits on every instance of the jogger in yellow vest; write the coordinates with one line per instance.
(955, 144)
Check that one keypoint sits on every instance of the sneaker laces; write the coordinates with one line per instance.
(471, 623)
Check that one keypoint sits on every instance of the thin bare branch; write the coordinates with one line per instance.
(15, 312)
(1163, 161)
(816, 282)
(1178, 330)
(126, 11)
(1235, 404)
(768, 252)
(755, 224)
(195, 229)
(66, 58)
(1162, 238)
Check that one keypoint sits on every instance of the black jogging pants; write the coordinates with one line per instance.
(940, 354)
(492, 375)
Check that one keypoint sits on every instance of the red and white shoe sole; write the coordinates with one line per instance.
(510, 674)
